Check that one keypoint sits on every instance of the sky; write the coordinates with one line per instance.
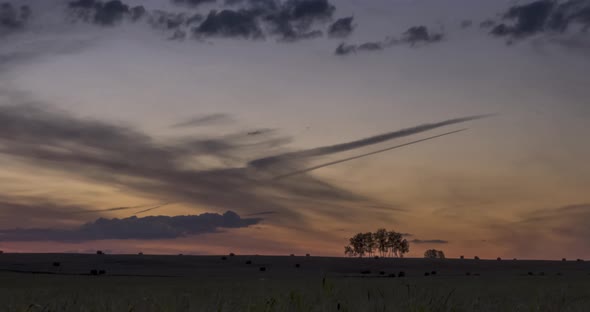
(191, 126)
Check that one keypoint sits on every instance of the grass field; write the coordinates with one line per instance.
(187, 283)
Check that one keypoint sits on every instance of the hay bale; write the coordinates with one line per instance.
(249, 262)
(391, 275)
(93, 272)
(433, 273)
(531, 273)
(99, 252)
(231, 254)
(307, 255)
(102, 272)
(224, 258)
(366, 272)
(462, 257)
(426, 274)
(476, 258)
(262, 269)
(297, 265)
(56, 264)
(468, 273)
(381, 272)
(499, 259)
(401, 274)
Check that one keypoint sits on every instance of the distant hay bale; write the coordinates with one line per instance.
(93, 272)
(56, 264)
(476, 274)
(231, 254)
(433, 273)
(531, 273)
(1, 252)
(224, 258)
(426, 274)
(102, 272)
(292, 255)
(542, 273)
(249, 262)
(307, 255)
(499, 259)
(297, 265)
(580, 260)
(391, 275)
(180, 255)
(514, 259)
(563, 259)
(140, 253)
(99, 252)
(381, 272)
(262, 269)
(366, 272)
(476, 258)
(462, 257)
(468, 273)
(376, 257)
(401, 274)
(559, 274)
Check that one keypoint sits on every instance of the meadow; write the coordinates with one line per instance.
(65, 282)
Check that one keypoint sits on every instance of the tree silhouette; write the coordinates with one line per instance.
(386, 243)
(434, 254)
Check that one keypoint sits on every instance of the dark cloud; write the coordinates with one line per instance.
(420, 34)
(293, 19)
(105, 13)
(428, 241)
(204, 120)
(487, 24)
(229, 23)
(417, 35)
(342, 27)
(13, 17)
(146, 228)
(192, 3)
(543, 16)
(466, 24)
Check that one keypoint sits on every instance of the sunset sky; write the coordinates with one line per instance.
(111, 110)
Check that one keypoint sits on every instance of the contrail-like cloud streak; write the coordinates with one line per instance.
(326, 150)
(363, 155)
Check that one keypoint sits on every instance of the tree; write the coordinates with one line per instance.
(380, 238)
(387, 243)
(369, 243)
(434, 254)
(357, 243)
(348, 251)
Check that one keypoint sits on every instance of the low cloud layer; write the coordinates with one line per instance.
(429, 241)
(147, 228)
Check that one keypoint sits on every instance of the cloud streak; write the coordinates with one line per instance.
(363, 155)
(146, 228)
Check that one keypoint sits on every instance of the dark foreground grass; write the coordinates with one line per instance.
(28, 292)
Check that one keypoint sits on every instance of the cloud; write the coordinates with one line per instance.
(428, 241)
(192, 3)
(466, 24)
(420, 34)
(204, 120)
(413, 36)
(146, 228)
(105, 13)
(337, 148)
(543, 16)
(13, 17)
(342, 27)
(229, 23)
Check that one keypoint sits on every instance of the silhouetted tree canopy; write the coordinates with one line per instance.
(385, 243)
(434, 254)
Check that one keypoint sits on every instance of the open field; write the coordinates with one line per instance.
(209, 283)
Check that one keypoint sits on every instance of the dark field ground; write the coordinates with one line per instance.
(31, 282)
